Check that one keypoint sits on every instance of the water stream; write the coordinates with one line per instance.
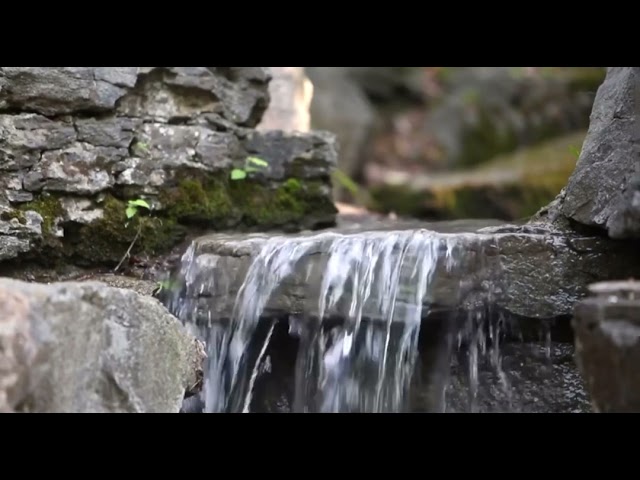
(357, 318)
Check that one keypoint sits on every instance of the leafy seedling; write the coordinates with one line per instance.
(132, 210)
(133, 205)
(251, 164)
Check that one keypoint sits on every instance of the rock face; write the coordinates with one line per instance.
(86, 347)
(604, 190)
(76, 143)
(608, 345)
(530, 271)
(291, 93)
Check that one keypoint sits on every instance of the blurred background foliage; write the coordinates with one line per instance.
(454, 142)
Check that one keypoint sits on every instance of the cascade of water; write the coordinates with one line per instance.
(378, 285)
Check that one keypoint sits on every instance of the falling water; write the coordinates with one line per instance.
(378, 285)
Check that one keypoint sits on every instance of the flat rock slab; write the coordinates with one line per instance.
(531, 271)
(85, 347)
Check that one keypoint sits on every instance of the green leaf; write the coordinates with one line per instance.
(257, 161)
(346, 181)
(575, 150)
(142, 146)
(131, 211)
(139, 203)
(238, 174)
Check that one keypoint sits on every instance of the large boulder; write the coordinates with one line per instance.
(78, 143)
(86, 347)
(604, 190)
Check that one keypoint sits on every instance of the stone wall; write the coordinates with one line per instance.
(77, 143)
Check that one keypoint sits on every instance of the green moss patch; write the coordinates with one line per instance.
(221, 203)
(196, 201)
(106, 240)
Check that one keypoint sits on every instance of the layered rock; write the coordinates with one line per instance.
(532, 271)
(86, 347)
(77, 143)
(604, 190)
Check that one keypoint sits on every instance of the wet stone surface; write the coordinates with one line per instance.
(536, 383)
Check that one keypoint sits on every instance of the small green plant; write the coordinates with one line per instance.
(575, 151)
(132, 210)
(140, 147)
(346, 182)
(133, 205)
(167, 285)
(251, 164)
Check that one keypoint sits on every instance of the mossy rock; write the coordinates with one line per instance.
(221, 203)
(196, 202)
(512, 187)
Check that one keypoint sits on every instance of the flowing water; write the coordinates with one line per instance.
(358, 320)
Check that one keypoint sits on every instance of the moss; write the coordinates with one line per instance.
(292, 202)
(106, 240)
(9, 215)
(49, 208)
(210, 203)
(199, 201)
(219, 203)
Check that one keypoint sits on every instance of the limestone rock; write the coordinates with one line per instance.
(76, 143)
(85, 347)
(602, 192)
(529, 271)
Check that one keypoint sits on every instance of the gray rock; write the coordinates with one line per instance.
(608, 345)
(58, 90)
(17, 349)
(515, 387)
(602, 190)
(18, 232)
(534, 272)
(168, 127)
(24, 137)
(311, 155)
(240, 94)
(111, 132)
(96, 349)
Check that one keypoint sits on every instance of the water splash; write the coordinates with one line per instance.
(378, 285)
